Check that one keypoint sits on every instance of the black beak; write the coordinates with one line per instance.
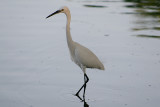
(58, 11)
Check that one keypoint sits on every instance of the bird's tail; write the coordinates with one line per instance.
(102, 67)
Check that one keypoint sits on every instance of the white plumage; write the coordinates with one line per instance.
(81, 55)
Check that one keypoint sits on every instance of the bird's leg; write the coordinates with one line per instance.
(84, 90)
(80, 98)
(84, 85)
(77, 94)
(86, 79)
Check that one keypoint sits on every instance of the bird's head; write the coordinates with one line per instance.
(61, 10)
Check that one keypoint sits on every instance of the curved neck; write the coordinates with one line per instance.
(68, 34)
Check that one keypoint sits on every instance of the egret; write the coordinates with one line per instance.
(80, 55)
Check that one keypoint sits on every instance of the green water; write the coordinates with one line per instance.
(148, 16)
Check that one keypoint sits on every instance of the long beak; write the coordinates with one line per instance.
(58, 11)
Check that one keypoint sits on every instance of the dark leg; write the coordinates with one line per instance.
(83, 100)
(86, 79)
(77, 94)
(84, 85)
(84, 90)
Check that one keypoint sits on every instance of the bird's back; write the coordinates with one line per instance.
(85, 57)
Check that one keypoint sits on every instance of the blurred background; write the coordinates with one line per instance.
(35, 65)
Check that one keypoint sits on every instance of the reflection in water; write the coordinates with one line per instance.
(146, 8)
(83, 100)
(148, 16)
(149, 36)
(84, 87)
(147, 13)
(96, 6)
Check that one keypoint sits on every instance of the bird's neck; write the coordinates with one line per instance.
(68, 34)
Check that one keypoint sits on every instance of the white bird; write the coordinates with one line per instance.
(80, 55)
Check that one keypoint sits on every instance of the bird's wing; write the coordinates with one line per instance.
(86, 57)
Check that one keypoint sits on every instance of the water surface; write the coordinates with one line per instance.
(35, 65)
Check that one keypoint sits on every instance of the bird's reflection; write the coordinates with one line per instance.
(83, 99)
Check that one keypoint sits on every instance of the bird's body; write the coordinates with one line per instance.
(86, 58)
(81, 55)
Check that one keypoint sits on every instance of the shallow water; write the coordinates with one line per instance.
(35, 66)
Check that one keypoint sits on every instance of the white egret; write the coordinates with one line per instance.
(80, 55)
